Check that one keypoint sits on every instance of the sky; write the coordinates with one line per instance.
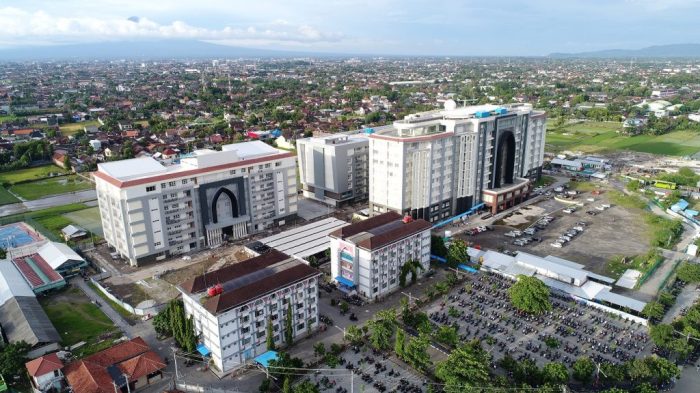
(380, 27)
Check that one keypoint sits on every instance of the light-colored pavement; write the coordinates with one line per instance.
(686, 298)
(43, 203)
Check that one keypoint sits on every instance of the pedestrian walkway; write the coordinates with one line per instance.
(111, 313)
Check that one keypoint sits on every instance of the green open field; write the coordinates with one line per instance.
(52, 186)
(73, 128)
(36, 173)
(595, 137)
(6, 198)
(76, 319)
(88, 218)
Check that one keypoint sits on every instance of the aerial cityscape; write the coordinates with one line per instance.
(347, 196)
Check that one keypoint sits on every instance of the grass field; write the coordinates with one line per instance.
(36, 173)
(73, 128)
(54, 224)
(76, 319)
(602, 137)
(46, 187)
(6, 198)
(88, 218)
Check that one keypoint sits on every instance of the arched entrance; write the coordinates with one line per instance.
(224, 205)
(505, 160)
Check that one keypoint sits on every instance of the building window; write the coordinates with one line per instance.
(300, 326)
(150, 188)
(184, 181)
(172, 184)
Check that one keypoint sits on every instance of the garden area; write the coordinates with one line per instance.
(78, 320)
(31, 174)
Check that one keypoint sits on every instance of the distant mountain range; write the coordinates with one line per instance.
(165, 49)
(657, 51)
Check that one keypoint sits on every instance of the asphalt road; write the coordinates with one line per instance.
(43, 203)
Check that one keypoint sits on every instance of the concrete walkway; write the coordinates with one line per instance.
(118, 320)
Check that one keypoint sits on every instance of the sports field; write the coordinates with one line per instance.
(602, 137)
(51, 186)
(6, 198)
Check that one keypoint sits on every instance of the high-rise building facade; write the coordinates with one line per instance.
(152, 211)
(334, 169)
(437, 164)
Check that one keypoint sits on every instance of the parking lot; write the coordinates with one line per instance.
(481, 309)
(371, 373)
(593, 246)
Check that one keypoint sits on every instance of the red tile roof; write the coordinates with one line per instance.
(389, 236)
(44, 365)
(134, 358)
(36, 270)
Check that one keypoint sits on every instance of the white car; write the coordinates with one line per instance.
(556, 245)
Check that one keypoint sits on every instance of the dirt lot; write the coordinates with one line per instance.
(615, 231)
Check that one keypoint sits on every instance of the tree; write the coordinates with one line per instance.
(661, 370)
(319, 349)
(381, 329)
(467, 365)
(555, 373)
(583, 369)
(305, 387)
(447, 335)
(12, 359)
(286, 385)
(528, 372)
(288, 328)
(653, 310)
(66, 162)
(3, 253)
(437, 246)
(689, 272)
(270, 336)
(457, 253)
(661, 334)
(400, 343)
(354, 335)
(411, 266)
(529, 294)
(416, 352)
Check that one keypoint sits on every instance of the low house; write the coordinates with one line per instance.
(59, 157)
(46, 374)
(125, 367)
(73, 232)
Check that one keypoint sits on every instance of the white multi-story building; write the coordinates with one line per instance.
(231, 307)
(437, 164)
(334, 169)
(152, 211)
(368, 256)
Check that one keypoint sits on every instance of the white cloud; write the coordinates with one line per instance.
(23, 27)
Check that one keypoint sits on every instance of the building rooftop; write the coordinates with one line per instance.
(44, 365)
(37, 272)
(100, 372)
(248, 280)
(306, 240)
(142, 170)
(56, 254)
(380, 230)
(12, 284)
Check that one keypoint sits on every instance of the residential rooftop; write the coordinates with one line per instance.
(378, 231)
(249, 280)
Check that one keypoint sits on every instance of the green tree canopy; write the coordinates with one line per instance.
(661, 334)
(689, 272)
(416, 352)
(457, 253)
(437, 246)
(12, 359)
(555, 373)
(530, 294)
(381, 329)
(653, 310)
(468, 365)
(583, 369)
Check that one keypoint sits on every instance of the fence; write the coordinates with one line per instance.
(664, 282)
(128, 307)
(645, 277)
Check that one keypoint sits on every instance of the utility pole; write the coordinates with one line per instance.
(410, 298)
(177, 376)
(352, 381)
